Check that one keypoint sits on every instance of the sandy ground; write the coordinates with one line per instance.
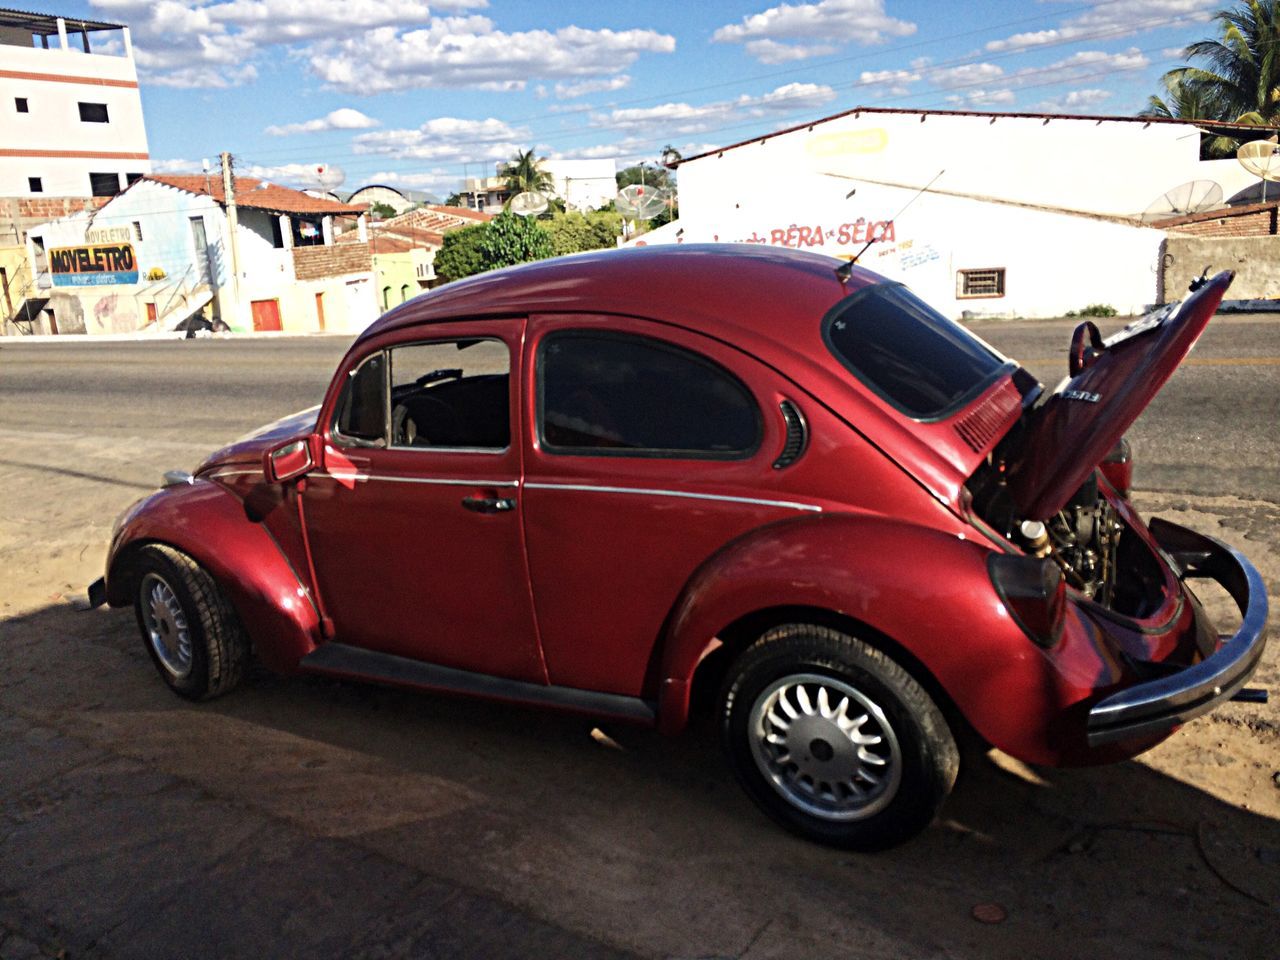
(309, 817)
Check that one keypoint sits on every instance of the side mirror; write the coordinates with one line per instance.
(288, 461)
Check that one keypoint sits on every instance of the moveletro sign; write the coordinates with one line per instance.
(100, 264)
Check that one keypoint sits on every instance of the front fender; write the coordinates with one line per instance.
(925, 589)
(209, 524)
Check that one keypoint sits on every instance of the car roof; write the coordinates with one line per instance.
(725, 289)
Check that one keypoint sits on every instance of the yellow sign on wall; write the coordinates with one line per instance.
(873, 140)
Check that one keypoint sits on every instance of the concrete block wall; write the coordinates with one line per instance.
(1256, 261)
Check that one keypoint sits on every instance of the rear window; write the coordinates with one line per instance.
(907, 352)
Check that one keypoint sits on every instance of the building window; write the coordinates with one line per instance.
(20, 104)
(277, 235)
(93, 112)
(137, 231)
(132, 178)
(104, 184)
(973, 284)
(35, 184)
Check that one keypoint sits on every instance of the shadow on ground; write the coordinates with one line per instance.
(348, 820)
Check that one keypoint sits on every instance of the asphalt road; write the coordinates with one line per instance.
(1214, 429)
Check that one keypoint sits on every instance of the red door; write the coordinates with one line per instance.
(418, 543)
(266, 314)
(615, 524)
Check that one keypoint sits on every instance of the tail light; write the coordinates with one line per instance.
(1117, 467)
(1034, 593)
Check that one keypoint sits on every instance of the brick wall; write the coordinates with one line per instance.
(314, 263)
(1260, 224)
(20, 214)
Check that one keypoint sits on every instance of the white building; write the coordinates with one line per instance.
(70, 114)
(581, 184)
(981, 213)
(162, 253)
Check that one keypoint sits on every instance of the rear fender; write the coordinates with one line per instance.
(926, 589)
(209, 524)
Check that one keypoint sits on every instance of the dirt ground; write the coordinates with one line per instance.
(311, 817)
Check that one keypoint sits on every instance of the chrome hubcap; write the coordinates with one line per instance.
(825, 746)
(166, 625)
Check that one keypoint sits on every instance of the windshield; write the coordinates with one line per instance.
(907, 352)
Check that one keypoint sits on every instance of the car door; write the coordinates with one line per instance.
(649, 449)
(415, 522)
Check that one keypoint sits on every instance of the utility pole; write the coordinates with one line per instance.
(233, 230)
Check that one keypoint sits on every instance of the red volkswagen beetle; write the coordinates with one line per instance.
(606, 482)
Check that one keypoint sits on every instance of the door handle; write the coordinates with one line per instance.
(489, 504)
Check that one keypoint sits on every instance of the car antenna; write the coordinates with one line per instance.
(845, 270)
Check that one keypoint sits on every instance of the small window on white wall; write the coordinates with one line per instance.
(973, 284)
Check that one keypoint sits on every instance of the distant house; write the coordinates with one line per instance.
(404, 249)
(160, 256)
(581, 184)
(71, 135)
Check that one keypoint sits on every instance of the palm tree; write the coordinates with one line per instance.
(524, 174)
(1184, 99)
(1240, 79)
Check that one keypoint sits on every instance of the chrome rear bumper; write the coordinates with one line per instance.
(1157, 705)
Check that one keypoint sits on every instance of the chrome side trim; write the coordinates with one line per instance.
(233, 473)
(437, 481)
(652, 492)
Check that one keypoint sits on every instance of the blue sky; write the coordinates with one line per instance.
(417, 94)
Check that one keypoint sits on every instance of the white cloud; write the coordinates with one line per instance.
(1082, 65)
(893, 82)
(1111, 20)
(684, 119)
(773, 52)
(446, 140)
(432, 181)
(470, 52)
(826, 22)
(982, 98)
(344, 118)
(300, 176)
(965, 75)
(1075, 101)
(567, 91)
(180, 166)
(366, 46)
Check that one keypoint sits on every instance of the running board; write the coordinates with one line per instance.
(340, 659)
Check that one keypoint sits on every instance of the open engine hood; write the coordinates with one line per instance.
(1110, 384)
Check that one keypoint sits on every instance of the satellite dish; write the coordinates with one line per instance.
(1262, 159)
(1196, 196)
(326, 176)
(527, 204)
(640, 202)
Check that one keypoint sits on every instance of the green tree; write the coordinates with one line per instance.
(382, 211)
(510, 239)
(1239, 76)
(649, 174)
(575, 232)
(524, 174)
(459, 254)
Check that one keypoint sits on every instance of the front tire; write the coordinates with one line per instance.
(190, 629)
(835, 740)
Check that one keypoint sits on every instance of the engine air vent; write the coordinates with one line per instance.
(984, 422)
(797, 435)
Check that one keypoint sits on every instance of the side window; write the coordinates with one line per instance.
(624, 395)
(362, 417)
(451, 394)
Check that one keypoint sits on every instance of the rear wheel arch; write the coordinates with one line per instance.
(734, 638)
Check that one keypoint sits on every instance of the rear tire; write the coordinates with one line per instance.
(834, 740)
(189, 628)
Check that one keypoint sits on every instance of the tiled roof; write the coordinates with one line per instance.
(437, 219)
(1221, 213)
(395, 240)
(257, 194)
